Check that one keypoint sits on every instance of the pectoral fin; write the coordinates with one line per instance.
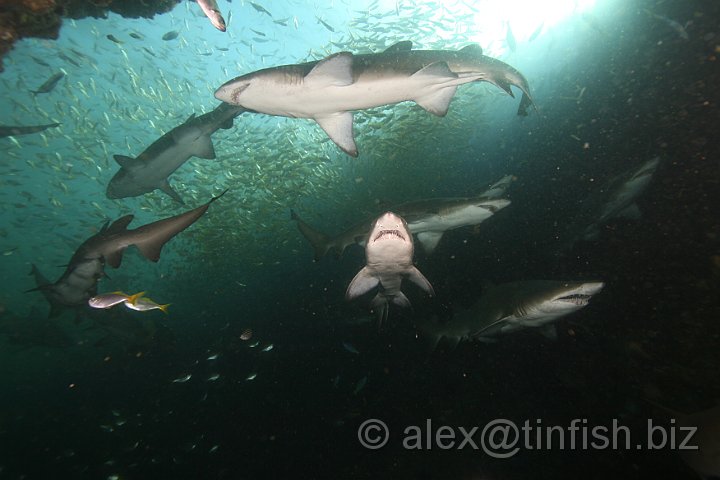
(429, 240)
(114, 259)
(414, 275)
(165, 187)
(203, 147)
(362, 283)
(339, 127)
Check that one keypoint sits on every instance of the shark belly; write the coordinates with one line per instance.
(308, 101)
(78, 284)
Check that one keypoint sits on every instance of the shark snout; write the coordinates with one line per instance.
(229, 92)
(591, 288)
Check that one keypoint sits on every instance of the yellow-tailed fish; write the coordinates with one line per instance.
(144, 304)
(109, 300)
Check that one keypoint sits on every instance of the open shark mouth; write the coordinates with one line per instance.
(576, 298)
(391, 233)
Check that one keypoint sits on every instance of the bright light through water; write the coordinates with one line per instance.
(525, 18)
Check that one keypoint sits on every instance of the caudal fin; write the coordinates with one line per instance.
(319, 241)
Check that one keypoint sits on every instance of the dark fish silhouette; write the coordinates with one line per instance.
(171, 35)
(8, 130)
(79, 281)
(49, 84)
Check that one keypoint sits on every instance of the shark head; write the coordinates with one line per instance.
(231, 91)
(548, 301)
(626, 192)
(642, 176)
(389, 241)
(123, 185)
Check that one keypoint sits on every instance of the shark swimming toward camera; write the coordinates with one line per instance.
(389, 259)
(428, 219)
(622, 193)
(150, 170)
(328, 90)
(79, 281)
(513, 306)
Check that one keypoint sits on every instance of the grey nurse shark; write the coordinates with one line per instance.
(622, 192)
(79, 281)
(328, 90)
(389, 259)
(150, 170)
(510, 307)
(428, 219)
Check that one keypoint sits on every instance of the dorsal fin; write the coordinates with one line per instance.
(404, 46)
(474, 49)
(126, 162)
(119, 225)
(335, 70)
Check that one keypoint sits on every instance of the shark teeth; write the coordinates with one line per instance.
(577, 299)
(395, 233)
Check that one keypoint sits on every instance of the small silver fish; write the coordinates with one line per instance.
(213, 377)
(268, 348)
(182, 379)
(246, 334)
(251, 376)
(350, 348)
(109, 300)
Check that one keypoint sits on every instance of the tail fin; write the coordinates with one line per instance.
(380, 306)
(133, 298)
(45, 287)
(40, 279)
(319, 241)
(164, 308)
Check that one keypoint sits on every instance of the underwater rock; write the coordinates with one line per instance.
(42, 18)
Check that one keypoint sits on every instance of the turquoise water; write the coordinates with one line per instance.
(98, 394)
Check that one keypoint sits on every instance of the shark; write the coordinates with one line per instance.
(150, 170)
(389, 259)
(428, 219)
(87, 266)
(623, 191)
(510, 307)
(698, 438)
(12, 130)
(328, 90)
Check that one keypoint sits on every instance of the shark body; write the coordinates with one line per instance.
(328, 90)
(429, 219)
(79, 281)
(389, 259)
(150, 170)
(622, 193)
(513, 306)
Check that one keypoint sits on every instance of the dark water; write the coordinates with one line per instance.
(105, 403)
